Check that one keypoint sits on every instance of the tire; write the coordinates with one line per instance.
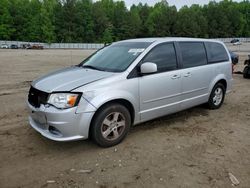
(216, 102)
(110, 125)
(245, 72)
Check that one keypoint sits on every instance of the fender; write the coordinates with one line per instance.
(84, 106)
(215, 80)
(108, 96)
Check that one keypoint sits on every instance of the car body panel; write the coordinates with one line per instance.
(113, 88)
(162, 98)
(70, 125)
(68, 79)
(195, 85)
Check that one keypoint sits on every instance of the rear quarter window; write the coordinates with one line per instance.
(216, 52)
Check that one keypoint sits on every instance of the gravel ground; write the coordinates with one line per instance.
(194, 148)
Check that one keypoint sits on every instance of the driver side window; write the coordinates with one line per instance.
(164, 56)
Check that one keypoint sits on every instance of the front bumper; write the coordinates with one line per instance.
(60, 125)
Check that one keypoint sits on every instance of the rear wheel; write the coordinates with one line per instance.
(217, 96)
(110, 125)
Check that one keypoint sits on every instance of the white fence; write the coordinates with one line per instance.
(87, 45)
(228, 40)
(56, 45)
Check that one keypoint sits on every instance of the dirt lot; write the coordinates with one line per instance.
(194, 148)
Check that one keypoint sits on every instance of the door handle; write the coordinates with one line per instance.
(188, 74)
(175, 76)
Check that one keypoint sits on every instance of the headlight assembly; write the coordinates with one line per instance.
(64, 100)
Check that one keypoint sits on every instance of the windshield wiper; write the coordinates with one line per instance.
(91, 67)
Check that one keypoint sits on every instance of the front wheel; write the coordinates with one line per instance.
(217, 96)
(110, 125)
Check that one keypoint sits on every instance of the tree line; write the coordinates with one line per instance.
(109, 20)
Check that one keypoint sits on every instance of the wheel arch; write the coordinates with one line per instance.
(223, 82)
(211, 103)
(219, 79)
(126, 103)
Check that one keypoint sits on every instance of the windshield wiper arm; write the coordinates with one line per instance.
(90, 67)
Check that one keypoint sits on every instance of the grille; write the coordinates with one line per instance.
(37, 97)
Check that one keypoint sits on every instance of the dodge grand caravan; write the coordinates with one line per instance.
(127, 83)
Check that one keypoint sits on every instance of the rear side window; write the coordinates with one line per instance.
(193, 54)
(216, 52)
(164, 56)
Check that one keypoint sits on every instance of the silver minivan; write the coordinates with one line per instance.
(127, 83)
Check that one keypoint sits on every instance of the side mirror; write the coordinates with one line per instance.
(148, 68)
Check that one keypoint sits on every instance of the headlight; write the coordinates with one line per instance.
(64, 100)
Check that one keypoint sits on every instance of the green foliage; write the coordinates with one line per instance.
(101, 21)
(47, 21)
(33, 26)
(5, 21)
(109, 20)
(161, 20)
(191, 22)
(108, 35)
(134, 23)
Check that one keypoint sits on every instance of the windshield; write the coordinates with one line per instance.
(116, 57)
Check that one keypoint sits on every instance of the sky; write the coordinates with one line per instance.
(177, 3)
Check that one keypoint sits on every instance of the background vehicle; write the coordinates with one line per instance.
(234, 57)
(35, 47)
(246, 71)
(127, 83)
(13, 46)
(4, 46)
(236, 42)
(25, 46)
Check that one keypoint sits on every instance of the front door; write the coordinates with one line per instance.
(160, 92)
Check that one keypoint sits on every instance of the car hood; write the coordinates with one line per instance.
(68, 79)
